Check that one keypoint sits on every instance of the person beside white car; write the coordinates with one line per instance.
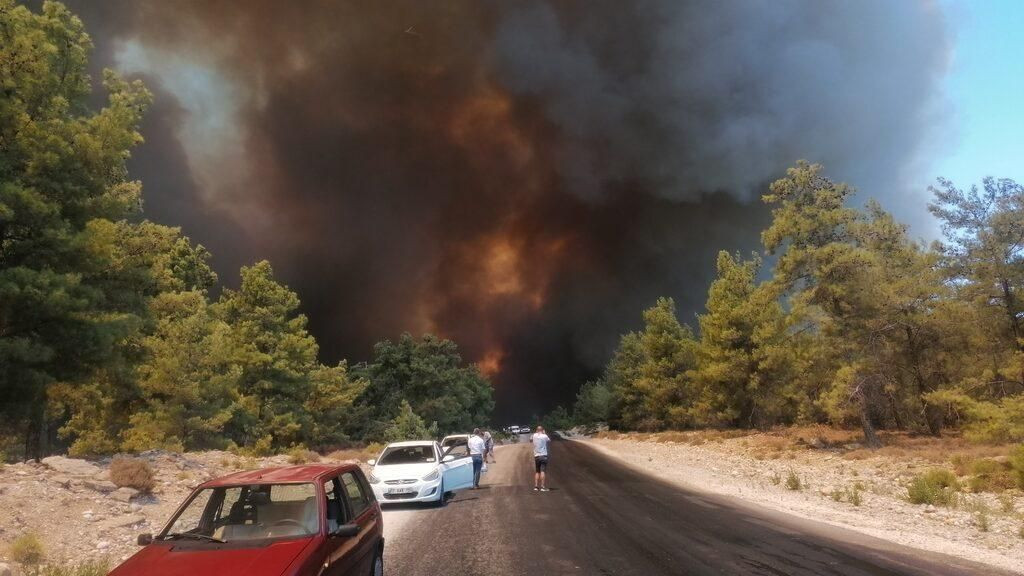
(477, 448)
(418, 471)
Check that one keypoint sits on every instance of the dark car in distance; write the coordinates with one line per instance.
(294, 521)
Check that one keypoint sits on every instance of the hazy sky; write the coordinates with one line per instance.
(986, 89)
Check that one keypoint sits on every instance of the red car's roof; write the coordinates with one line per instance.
(285, 474)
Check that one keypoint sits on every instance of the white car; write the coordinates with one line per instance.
(418, 471)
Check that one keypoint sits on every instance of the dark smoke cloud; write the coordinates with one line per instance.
(523, 177)
(686, 97)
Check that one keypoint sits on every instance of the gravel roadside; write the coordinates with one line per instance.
(71, 506)
(882, 511)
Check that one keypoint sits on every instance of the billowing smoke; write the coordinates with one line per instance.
(523, 177)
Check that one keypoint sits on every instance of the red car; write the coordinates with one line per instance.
(294, 521)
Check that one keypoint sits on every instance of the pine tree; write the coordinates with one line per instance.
(275, 356)
(650, 372)
(740, 316)
(407, 425)
(62, 168)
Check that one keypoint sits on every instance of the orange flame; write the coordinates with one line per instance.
(490, 364)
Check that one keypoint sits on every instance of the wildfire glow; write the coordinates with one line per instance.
(490, 364)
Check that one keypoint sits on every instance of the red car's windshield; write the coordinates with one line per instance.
(245, 513)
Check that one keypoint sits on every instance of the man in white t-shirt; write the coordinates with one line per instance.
(540, 443)
(477, 448)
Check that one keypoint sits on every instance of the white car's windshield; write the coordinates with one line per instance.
(243, 513)
(408, 455)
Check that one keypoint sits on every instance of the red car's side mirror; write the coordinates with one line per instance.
(145, 539)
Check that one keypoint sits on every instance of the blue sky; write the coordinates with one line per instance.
(986, 89)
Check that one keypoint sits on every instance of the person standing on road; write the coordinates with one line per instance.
(489, 446)
(540, 443)
(477, 448)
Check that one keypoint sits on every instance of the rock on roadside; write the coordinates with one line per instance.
(103, 486)
(124, 494)
(71, 466)
(122, 522)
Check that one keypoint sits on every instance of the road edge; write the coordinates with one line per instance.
(930, 544)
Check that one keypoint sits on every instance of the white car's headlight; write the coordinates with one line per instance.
(373, 479)
(432, 476)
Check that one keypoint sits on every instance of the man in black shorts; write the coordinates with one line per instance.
(540, 443)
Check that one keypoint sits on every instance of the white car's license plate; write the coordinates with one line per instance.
(401, 490)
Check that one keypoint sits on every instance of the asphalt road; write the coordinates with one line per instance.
(601, 518)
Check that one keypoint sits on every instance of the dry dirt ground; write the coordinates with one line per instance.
(759, 468)
(79, 516)
(75, 511)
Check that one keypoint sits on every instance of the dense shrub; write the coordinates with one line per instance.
(26, 549)
(132, 473)
(990, 476)
(1017, 465)
(934, 487)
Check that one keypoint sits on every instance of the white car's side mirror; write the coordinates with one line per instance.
(371, 461)
(448, 458)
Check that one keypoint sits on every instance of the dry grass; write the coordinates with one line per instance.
(988, 475)
(692, 437)
(358, 454)
(346, 455)
(793, 481)
(26, 549)
(301, 455)
(970, 460)
(817, 436)
(88, 569)
(950, 448)
(132, 473)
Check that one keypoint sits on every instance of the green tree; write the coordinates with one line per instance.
(877, 292)
(820, 264)
(275, 356)
(330, 402)
(740, 316)
(558, 419)
(189, 387)
(430, 374)
(649, 372)
(984, 246)
(594, 403)
(141, 266)
(406, 425)
(62, 167)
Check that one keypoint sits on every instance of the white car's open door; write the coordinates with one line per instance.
(458, 469)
